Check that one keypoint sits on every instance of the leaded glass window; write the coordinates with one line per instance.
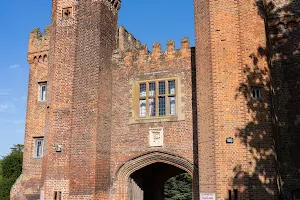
(157, 98)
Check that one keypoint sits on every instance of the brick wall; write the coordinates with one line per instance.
(205, 111)
(38, 53)
(58, 121)
(91, 112)
(230, 60)
(130, 136)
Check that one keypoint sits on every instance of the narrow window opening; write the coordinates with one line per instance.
(229, 195)
(45, 58)
(256, 93)
(42, 91)
(236, 197)
(38, 149)
(57, 195)
(40, 59)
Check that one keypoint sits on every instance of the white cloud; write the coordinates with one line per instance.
(4, 91)
(14, 121)
(6, 107)
(15, 66)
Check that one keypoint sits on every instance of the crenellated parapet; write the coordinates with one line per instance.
(114, 5)
(126, 41)
(141, 54)
(38, 46)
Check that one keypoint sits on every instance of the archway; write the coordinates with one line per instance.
(149, 182)
(144, 177)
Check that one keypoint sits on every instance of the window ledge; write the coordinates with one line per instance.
(155, 119)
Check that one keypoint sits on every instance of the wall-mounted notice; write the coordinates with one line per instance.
(207, 196)
(156, 137)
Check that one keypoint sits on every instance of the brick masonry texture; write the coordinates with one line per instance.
(92, 69)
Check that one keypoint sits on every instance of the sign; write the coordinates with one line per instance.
(207, 196)
(42, 194)
(156, 136)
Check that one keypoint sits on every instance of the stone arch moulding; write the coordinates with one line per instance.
(132, 165)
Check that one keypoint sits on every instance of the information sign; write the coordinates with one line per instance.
(207, 196)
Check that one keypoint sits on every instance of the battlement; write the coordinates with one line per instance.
(126, 41)
(115, 3)
(39, 41)
(38, 45)
(141, 53)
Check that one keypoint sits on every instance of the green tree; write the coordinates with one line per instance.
(10, 170)
(179, 187)
(1, 170)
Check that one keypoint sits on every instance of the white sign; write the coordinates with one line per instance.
(207, 196)
(42, 194)
(156, 136)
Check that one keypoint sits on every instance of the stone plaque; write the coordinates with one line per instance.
(207, 196)
(156, 136)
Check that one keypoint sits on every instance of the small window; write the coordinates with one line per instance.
(42, 91)
(236, 194)
(38, 147)
(229, 195)
(157, 98)
(296, 194)
(256, 92)
(67, 12)
(57, 195)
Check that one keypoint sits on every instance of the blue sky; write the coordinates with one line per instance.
(148, 20)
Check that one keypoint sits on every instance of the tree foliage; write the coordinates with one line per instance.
(10, 170)
(179, 187)
(0, 169)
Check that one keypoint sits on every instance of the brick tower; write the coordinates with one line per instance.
(79, 113)
(234, 101)
(83, 37)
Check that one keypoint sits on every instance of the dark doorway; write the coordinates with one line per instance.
(148, 183)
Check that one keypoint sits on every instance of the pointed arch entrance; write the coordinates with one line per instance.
(143, 177)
